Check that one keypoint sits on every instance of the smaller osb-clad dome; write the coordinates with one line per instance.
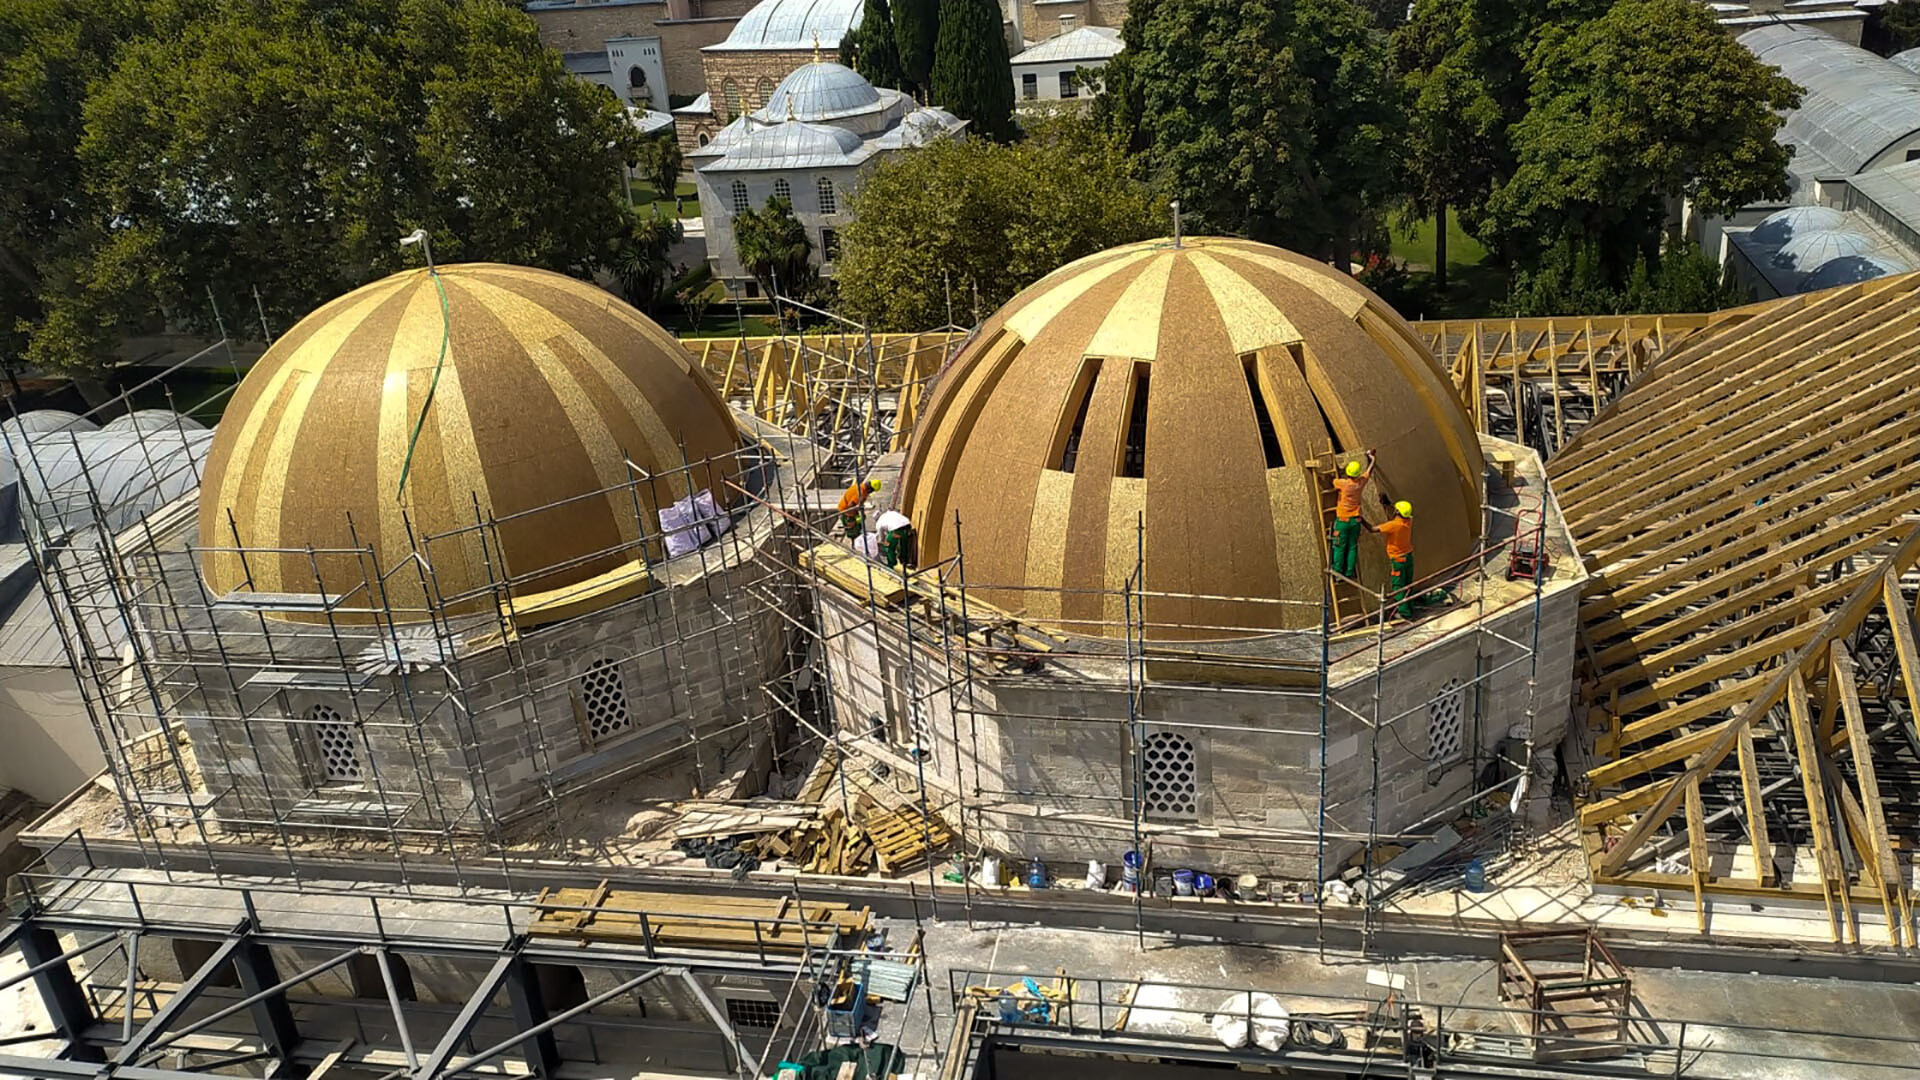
(548, 387)
(1187, 388)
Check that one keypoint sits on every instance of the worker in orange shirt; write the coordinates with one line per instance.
(852, 508)
(1398, 534)
(1346, 517)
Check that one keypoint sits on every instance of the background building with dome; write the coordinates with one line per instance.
(1852, 212)
(1133, 460)
(817, 134)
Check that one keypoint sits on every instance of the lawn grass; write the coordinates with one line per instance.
(644, 195)
(1415, 247)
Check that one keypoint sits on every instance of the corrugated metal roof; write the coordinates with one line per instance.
(1856, 104)
(1895, 189)
(793, 24)
(1086, 43)
(1909, 59)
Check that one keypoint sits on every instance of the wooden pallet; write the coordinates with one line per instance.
(905, 838)
(671, 920)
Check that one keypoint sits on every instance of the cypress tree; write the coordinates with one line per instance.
(972, 74)
(873, 51)
(916, 27)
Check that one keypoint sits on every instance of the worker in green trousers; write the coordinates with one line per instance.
(1398, 534)
(1347, 522)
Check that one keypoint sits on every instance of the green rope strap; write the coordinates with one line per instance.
(446, 336)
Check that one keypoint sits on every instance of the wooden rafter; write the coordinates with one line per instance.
(1742, 507)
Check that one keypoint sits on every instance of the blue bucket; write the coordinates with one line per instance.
(1203, 884)
(1183, 883)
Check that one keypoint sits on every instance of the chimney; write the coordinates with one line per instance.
(1069, 23)
(679, 9)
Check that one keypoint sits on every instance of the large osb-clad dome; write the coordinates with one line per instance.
(1188, 387)
(548, 384)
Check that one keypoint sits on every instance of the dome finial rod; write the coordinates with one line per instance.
(419, 236)
(1175, 205)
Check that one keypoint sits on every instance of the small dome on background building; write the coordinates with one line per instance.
(1187, 388)
(41, 421)
(549, 387)
(1782, 226)
(153, 420)
(789, 146)
(1809, 251)
(819, 91)
(1853, 269)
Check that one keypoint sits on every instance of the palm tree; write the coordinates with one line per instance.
(773, 246)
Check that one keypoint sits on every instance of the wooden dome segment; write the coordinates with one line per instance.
(1192, 389)
(548, 386)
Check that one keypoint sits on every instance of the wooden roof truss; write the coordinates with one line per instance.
(1749, 507)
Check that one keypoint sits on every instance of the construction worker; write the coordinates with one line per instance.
(896, 541)
(1398, 534)
(1346, 517)
(852, 508)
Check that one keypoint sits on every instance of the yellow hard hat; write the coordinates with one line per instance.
(1403, 508)
(1353, 468)
(874, 484)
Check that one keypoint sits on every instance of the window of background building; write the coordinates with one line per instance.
(1029, 86)
(829, 202)
(730, 92)
(766, 89)
(1067, 87)
(783, 190)
(830, 245)
(740, 203)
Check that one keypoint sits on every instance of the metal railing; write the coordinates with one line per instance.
(1393, 1030)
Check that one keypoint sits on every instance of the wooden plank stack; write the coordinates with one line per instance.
(675, 921)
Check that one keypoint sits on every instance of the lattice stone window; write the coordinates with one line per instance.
(339, 748)
(740, 203)
(829, 199)
(1446, 724)
(604, 695)
(1168, 776)
(752, 1013)
(783, 190)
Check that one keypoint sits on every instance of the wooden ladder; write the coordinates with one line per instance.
(1347, 601)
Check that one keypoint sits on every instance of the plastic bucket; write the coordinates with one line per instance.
(1130, 866)
(990, 870)
(1183, 883)
(1203, 884)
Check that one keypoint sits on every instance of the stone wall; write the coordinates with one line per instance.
(717, 209)
(588, 27)
(690, 662)
(1045, 763)
(752, 74)
(1038, 20)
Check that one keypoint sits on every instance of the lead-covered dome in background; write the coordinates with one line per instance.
(549, 386)
(1186, 387)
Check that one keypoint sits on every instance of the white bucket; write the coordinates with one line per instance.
(990, 871)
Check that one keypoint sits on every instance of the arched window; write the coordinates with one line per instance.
(766, 89)
(783, 190)
(730, 93)
(740, 203)
(603, 696)
(1167, 777)
(636, 78)
(704, 139)
(829, 201)
(338, 745)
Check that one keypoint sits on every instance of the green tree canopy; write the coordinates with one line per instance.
(1271, 119)
(934, 225)
(285, 145)
(1900, 23)
(772, 244)
(916, 28)
(871, 47)
(972, 74)
(1627, 114)
(661, 162)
